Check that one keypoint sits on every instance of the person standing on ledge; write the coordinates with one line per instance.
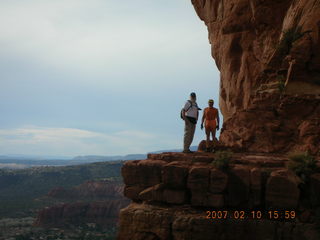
(211, 119)
(190, 114)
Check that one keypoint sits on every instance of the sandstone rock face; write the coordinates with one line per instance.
(173, 203)
(150, 222)
(268, 53)
(192, 179)
(282, 190)
(218, 181)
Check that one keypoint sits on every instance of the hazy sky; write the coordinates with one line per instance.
(100, 77)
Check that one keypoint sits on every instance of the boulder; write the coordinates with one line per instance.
(130, 172)
(238, 186)
(133, 192)
(215, 200)
(213, 145)
(144, 173)
(175, 174)
(198, 183)
(282, 190)
(150, 172)
(198, 178)
(173, 196)
(315, 189)
(154, 193)
(218, 181)
(256, 186)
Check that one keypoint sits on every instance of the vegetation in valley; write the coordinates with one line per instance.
(23, 229)
(20, 190)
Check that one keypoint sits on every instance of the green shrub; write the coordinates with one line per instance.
(222, 159)
(281, 83)
(302, 164)
(289, 37)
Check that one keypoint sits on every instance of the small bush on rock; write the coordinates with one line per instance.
(281, 83)
(222, 159)
(302, 164)
(289, 37)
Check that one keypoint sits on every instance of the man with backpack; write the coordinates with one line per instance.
(190, 114)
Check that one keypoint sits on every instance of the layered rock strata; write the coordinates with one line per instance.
(96, 202)
(172, 193)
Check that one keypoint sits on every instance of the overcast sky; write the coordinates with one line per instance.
(100, 77)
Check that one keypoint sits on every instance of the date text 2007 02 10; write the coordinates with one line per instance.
(271, 214)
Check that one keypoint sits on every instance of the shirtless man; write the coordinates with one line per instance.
(211, 119)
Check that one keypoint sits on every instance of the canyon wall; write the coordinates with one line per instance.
(91, 202)
(268, 53)
(103, 213)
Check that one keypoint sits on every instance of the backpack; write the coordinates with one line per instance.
(181, 115)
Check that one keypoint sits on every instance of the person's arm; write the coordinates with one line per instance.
(183, 113)
(218, 120)
(203, 118)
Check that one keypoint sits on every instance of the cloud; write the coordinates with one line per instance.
(72, 141)
(76, 64)
(89, 35)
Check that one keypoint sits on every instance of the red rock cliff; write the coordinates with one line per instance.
(91, 202)
(268, 53)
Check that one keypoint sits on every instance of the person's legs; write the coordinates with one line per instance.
(213, 132)
(192, 131)
(207, 138)
(187, 134)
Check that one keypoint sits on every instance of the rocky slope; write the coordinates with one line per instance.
(268, 53)
(96, 202)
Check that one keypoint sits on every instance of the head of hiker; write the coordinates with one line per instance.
(211, 103)
(190, 114)
(193, 97)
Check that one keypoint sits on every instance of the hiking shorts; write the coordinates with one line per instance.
(211, 126)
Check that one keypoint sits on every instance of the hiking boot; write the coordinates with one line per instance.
(187, 151)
